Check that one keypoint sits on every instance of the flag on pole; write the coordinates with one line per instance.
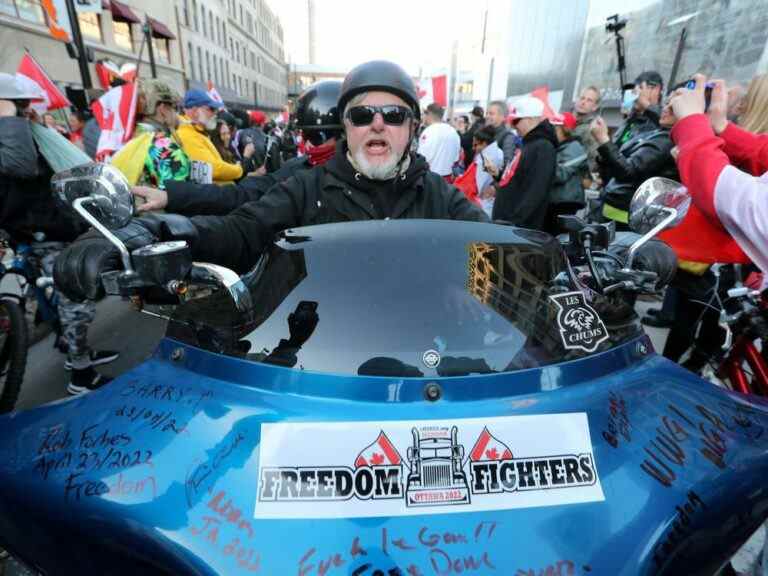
(115, 113)
(110, 74)
(52, 96)
(213, 93)
(434, 89)
(440, 90)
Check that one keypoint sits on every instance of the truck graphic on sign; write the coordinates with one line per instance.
(436, 474)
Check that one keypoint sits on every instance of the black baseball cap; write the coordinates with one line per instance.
(649, 77)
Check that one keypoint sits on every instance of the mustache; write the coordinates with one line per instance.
(377, 139)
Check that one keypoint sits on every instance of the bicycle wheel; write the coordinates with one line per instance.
(13, 352)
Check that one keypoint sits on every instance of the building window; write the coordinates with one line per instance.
(8, 7)
(207, 65)
(210, 27)
(162, 49)
(28, 10)
(191, 60)
(186, 13)
(123, 34)
(200, 64)
(229, 84)
(90, 25)
(194, 14)
(202, 21)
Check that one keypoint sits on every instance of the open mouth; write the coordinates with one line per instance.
(376, 146)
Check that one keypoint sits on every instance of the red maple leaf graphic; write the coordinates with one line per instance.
(492, 454)
(377, 459)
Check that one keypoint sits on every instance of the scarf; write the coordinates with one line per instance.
(319, 155)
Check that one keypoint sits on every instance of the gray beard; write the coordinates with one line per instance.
(384, 171)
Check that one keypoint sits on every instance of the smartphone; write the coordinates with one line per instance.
(691, 84)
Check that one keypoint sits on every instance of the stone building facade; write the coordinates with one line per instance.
(237, 45)
(115, 33)
(724, 38)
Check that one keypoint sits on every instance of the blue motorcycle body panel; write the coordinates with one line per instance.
(501, 420)
(159, 471)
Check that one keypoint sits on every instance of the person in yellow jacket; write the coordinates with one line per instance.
(154, 155)
(200, 117)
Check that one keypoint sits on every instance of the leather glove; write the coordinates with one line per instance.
(77, 270)
(654, 256)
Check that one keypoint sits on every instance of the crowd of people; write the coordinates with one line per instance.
(227, 180)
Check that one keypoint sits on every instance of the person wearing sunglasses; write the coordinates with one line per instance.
(373, 175)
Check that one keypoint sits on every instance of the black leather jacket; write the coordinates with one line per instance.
(329, 193)
(27, 204)
(643, 156)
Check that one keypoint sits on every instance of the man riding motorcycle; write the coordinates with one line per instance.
(317, 116)
(372, 175)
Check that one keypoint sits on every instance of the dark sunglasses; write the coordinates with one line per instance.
(393, 115)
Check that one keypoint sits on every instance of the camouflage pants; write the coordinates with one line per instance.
(75, 317)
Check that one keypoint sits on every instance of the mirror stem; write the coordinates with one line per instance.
(78, 205)
(671, 215)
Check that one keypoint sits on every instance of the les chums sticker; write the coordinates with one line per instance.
(326, 470)
(580, 326)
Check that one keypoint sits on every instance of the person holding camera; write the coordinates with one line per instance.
(640, 149)
(734, 198)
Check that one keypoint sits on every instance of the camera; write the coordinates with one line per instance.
(614, 25)
(691, 84)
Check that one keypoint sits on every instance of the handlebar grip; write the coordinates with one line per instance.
(654, 256)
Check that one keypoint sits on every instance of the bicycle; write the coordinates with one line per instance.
(13, 339)
(744, 317)
(25, 267)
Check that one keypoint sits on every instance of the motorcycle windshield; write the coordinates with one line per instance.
(415, 298)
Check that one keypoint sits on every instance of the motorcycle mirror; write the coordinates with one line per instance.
(99, 190)
(654, 202)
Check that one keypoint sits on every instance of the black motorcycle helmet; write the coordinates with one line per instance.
(317, 112)
(380, 75)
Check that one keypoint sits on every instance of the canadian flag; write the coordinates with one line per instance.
(382, 451)
(213, 93)
(489, 448)
(108, 72)
(52, 96)
(434, 89)
(115, 113)
(440, 90)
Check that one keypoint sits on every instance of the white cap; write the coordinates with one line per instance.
(12, 89)
(525, 107)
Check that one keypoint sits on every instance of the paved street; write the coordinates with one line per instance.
(117, 327)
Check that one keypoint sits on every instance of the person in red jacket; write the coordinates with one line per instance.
(724, 167)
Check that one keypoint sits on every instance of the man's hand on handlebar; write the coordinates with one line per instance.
(79, 268)
(154, 199)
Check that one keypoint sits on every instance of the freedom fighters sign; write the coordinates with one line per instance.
(401, 468)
